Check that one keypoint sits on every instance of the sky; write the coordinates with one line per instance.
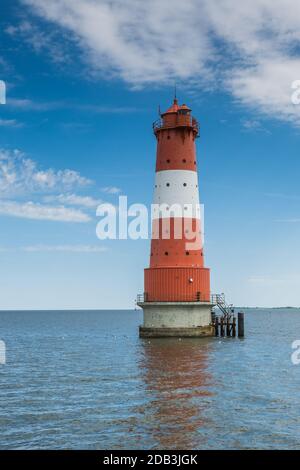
(84, 81)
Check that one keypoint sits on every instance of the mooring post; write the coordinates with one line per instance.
(216, 326)
(241, 324)
(234, 327)
(228, 327)
(222, 326)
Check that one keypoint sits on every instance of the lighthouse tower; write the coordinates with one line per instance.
(176, 299)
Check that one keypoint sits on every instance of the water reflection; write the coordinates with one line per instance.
(179, 388)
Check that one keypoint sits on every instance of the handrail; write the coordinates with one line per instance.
(196, 297)
(190, 122)
(226, 309)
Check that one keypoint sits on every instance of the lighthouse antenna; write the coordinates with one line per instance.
(175, 93)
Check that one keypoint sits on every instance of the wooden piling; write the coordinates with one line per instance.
(228, 327)
(216, 326)
(241, 331)
(222, 326)
(234, 327)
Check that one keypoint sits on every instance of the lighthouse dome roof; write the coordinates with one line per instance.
(175, 107)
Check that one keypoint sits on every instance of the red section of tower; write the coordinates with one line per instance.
(176, 272)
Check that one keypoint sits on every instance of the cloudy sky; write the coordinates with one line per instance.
(84, 81)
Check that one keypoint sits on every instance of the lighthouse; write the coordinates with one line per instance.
(176, 299)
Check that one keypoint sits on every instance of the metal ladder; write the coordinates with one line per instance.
(226, 309)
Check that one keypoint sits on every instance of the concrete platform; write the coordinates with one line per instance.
(200, 331)
(184, 319)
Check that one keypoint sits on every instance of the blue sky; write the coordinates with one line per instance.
(84, 81)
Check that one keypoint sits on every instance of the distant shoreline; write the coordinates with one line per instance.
(268, 308)
(127, 309)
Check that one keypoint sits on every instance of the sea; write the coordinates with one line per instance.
(85, 380)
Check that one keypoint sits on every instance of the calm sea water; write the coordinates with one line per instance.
(85, 380)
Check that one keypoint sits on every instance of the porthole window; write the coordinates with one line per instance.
(168, 161)
(166, 253)
(184, 184)
(187, 253)
(168, 137)
(168, 184)
(184, 160)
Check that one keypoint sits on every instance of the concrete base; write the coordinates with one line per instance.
(188, 319)
(200, 331)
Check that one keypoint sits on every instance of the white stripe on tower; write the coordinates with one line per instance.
(177, 187)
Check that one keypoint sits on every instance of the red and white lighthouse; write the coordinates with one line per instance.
(176, 300)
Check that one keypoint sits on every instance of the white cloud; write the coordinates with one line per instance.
(21, 177)
(252, 125)
(25, 104)
(3, 64)
(74, 200)
(248, 48)
(19, 174)
(66, 248)
(10, 123)
(268, 87)
(141, 41)
(111, 190)
(36, 211)
(40, 40)
(56, 249)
